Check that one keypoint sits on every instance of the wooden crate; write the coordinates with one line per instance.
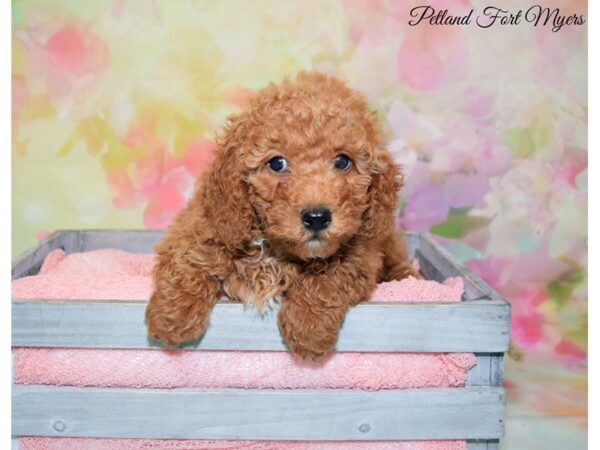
(479, 324)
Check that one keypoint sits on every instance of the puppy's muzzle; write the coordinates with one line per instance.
(315, 219)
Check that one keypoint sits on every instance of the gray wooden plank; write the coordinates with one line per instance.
(488, 370)
(70, 240)
(437, 264)
(489, 444)
(29, 262)
(468, 413)
(135, 241)
(476, 326)
(412, 242)
(497, 370)
(479, 374)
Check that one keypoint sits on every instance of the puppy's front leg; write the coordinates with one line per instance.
(184, 294)
(317, 301)
(309, 323)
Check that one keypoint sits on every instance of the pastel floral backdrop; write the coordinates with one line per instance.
(115, 104)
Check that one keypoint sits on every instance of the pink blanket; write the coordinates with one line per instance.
(111, 274)
(117, 275)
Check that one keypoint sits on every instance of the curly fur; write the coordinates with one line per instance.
(241, 234)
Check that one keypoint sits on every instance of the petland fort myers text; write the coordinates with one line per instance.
(489, 16)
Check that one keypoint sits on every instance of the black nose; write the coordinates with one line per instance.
(316, 219)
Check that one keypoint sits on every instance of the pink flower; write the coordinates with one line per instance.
(573, 163)
(529, 270)
(42, 234)
(448, 158)
(20, 94)
(239, 96)
(527, 321)
(527, 330)
(430, 57)
(553, 53)
(465, 190)
(166, 197)
(425, 208)
(160, 180)
(163, 181)
(75, 59)
(370, 21)
(198, 154)
(77, 51)
(573, 352)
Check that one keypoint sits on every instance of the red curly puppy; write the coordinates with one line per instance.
(297, 207)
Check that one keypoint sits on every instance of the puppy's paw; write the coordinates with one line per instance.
(308, 334)
(173, 322)
(401, 271)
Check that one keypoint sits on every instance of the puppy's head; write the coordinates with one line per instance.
(305, 166)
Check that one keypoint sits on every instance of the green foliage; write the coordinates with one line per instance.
(458, 224)
(525, 141)
(560, 290)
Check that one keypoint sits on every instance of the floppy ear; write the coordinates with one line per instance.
(226, 201)
(383, 194)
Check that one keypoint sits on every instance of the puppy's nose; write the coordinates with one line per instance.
(315, 219)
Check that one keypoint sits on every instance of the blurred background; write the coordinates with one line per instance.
(115, 105)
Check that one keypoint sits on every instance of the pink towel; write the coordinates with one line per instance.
(111, 274)
(253, 370)
(117, 275)
(106, 274)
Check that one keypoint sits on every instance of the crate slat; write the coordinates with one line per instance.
(487, 371)
(30, 261)
(134, 241)
(491, 444)
(468, 413)
(475, 326)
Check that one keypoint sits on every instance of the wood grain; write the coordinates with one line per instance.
(467, 413)
(476, 326)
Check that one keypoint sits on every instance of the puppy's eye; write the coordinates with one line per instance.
(342, 162)
(278, 164)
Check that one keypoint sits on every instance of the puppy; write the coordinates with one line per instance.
(297, 208)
